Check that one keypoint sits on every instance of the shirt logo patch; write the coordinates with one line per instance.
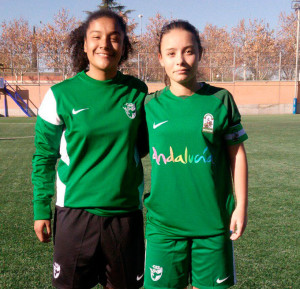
(79, 110)
(130, 110)
(223, 280)
(155, 126)
(56, 270)
(156, 272)
(208, 123)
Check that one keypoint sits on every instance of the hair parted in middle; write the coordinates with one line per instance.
(184, 25)
(77, 37)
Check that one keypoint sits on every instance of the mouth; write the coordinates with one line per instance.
(181, 71)
(104, 54)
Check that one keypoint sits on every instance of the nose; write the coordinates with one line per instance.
(179, 59)
(104, 42)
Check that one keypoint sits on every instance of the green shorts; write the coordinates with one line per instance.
(204, 262)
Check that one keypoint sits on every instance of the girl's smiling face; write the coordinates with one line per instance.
(180, 56)
(104, 45)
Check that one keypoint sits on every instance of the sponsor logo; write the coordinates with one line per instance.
(208, 123)
(156, 272)
(138, 278)
(130, 110)
(222, 280)
(184, 158)
(56, 270)
(79, 110)
(155, 126)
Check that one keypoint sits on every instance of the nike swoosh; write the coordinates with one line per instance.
(221, 281)
(77, 111)
(159, 124)
(138, 278)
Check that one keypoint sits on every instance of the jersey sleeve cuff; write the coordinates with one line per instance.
(42, 210)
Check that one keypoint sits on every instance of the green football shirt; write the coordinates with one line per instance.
(92, 127)
(191, 188)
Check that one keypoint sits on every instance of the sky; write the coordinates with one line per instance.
(222, 13)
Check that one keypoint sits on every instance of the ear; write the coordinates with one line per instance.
(200, 54)
(84, 46)
(161, 60)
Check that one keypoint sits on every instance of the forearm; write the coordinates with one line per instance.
(240, 177)
(239, 170)
(47, 143)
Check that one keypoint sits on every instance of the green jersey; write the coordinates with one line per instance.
(93, 127)
(191, 188)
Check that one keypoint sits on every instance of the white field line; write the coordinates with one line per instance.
(16, 123)
(16, 137)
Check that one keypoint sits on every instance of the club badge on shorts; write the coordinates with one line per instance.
(130, 110)
(208, 123)
(56, 270)
(156, 272)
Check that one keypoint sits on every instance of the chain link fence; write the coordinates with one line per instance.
(213, 67)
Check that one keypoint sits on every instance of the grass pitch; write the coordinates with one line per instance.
(267, 256)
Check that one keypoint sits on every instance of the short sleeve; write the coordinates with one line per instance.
(234, 133)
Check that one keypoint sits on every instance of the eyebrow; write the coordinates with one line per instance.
(172, 48)
(98, 31)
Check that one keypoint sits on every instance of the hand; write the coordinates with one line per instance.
(238, 223)
(42, 229)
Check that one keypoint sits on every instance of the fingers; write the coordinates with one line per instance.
(42, 230)
(236, 234)
(236, 227)
(48, 229)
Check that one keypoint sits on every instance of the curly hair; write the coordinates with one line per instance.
(77, 37)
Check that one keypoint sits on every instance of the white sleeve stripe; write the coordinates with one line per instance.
(48, 109)
(234, 135)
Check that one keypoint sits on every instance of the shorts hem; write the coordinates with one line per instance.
(72, 287)
(155, 287)
(211, 287)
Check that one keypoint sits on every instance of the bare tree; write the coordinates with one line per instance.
(255, 45)
(16, 46)
(53, 42)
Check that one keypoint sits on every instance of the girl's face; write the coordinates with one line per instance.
(104, 47)
(180, 56)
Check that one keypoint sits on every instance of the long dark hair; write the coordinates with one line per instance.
(184, 25)
(77, 37)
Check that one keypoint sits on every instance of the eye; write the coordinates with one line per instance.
(189, 51)
(171, 53)
(115, 39)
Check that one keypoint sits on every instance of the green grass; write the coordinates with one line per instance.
(267, 256)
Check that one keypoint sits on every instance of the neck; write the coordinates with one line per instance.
(187, 89)
(100, 74)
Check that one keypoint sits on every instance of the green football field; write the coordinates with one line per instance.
(267, 256)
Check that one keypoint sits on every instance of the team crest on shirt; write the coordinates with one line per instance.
(130, 110)
(208, 123)
(156, 272)
(56, 270)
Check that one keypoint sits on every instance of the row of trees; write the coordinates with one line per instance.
(252, 48)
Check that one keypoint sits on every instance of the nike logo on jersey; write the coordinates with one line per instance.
(138, 278)
(221, 281)
(155, 126)
(79, 110)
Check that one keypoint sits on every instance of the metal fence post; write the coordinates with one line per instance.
(138, 65)
(233, 72)
(210, 72)
(279, 70)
